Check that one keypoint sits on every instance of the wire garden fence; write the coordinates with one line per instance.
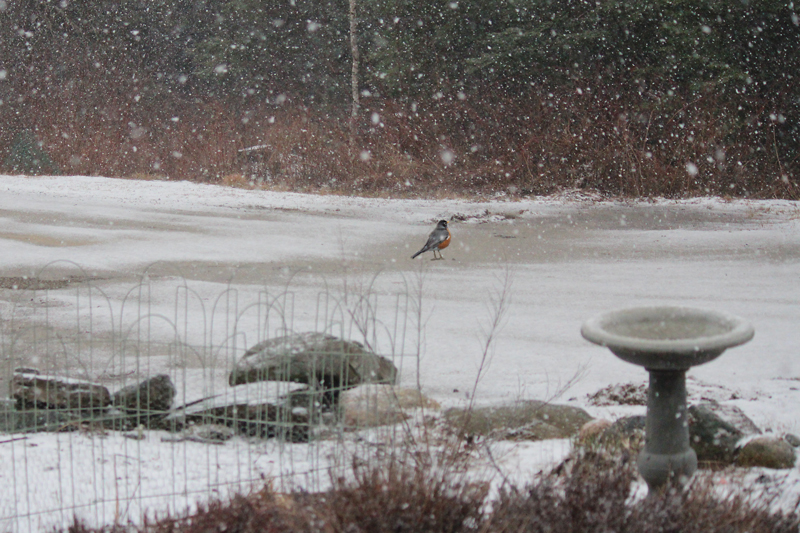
(123, 402)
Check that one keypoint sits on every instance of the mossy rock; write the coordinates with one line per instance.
(627, 433)
(767, 452)
(526, 420)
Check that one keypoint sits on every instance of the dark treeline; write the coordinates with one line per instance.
(521, 96)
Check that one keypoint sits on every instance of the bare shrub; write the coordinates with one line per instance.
(593, 491)
(703, 510)
(396, 497)
(587, 494)
(590, 492)
(262, 512)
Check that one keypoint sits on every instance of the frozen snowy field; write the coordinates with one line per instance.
(566, 259)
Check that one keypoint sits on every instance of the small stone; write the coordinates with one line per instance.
(134, 435)
(212, 432)
(792, 439)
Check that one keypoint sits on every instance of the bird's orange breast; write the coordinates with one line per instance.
(445, 243)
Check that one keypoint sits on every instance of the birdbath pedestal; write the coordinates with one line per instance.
(667, 341)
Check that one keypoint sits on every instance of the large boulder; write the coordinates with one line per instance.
(526, 420)
(153, 395)
(313, 358)
(715, 430)
(33, 390)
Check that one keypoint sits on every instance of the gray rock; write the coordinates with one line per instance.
(145, 404)
(26, 370)
(257, 418)
(52, 392)
(153, 395)
(313, 358)
(733, 415)
(526, 420)
(792, 439)
(766, 452)
(715, 429)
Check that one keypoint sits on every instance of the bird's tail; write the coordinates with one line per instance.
(416, 254)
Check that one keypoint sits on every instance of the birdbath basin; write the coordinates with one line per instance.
(667, 338)
(667, 341)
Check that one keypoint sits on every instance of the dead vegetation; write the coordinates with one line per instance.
(612, 140)
(620, 394)
(590, 492)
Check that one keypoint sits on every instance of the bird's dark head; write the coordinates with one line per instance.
(442, 224)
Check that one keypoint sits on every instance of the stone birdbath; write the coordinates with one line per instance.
(667, 341)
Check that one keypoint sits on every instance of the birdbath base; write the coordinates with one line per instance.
(667, 454)
(660, 469)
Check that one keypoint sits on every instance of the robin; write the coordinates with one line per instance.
(439, 239)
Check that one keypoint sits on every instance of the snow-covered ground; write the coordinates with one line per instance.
(205, 253)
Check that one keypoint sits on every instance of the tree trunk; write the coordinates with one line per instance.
(354, 78)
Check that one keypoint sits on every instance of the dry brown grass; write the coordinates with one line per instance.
(611, 139)
(591, 492)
